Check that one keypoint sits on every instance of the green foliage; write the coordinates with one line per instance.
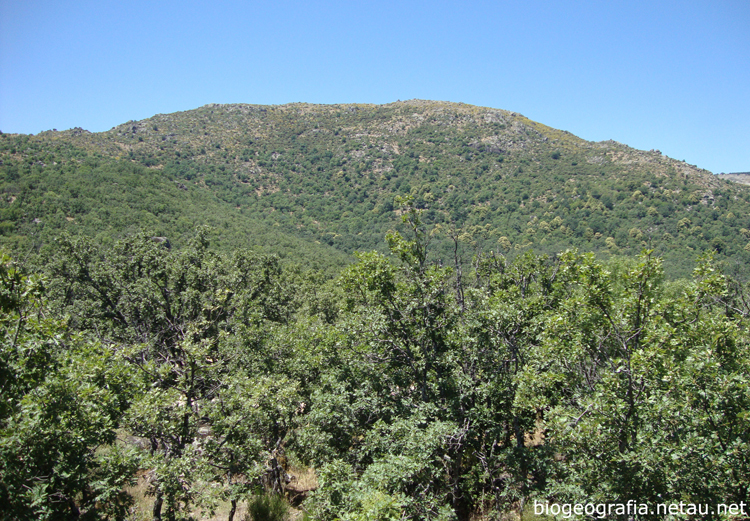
(646, 391)
(107, 198)
(188, 324)
(267, 507)
(303, 178)
(420, 393)
(419, 384)
(558, 378)
(423, 403)
(342, 496)
(62, 399)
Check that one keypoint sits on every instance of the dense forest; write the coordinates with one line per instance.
(411, 311)
(412, 390)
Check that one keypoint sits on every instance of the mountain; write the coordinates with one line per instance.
(737, 177)
(323, 179)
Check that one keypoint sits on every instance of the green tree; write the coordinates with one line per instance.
(187, 322)
(647, 390)
(62, 400)
(419, 405)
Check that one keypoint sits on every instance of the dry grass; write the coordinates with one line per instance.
(141, 509)
(303, 481)
(143, 505)
(303, 478)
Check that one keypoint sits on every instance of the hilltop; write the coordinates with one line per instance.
(328, 175)
(737, 177)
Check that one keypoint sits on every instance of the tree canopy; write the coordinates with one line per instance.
(414, 387)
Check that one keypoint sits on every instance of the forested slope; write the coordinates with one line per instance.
(63, 189)
(329, 173)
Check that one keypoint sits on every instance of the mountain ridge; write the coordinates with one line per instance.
(556, 135)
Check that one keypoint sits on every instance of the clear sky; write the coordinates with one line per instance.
(669, 75)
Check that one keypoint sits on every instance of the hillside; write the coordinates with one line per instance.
(152, 370)
(328, 174)
(65, 189)
(738, 177)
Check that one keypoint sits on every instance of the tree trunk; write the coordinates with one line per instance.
(157, 506)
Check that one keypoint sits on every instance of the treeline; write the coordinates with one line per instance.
(416, 388)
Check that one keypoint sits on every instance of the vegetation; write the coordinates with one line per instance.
(416, 391)
(267, 507)
(296, 178)
(448, 372)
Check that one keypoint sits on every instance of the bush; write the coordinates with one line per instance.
(267, 507)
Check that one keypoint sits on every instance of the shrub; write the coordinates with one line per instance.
(267, 507)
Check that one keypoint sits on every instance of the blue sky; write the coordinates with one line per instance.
(669, 75)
